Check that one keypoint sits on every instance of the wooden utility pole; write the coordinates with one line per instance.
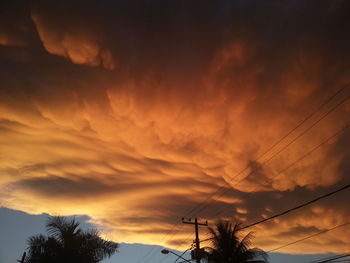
(197, 251)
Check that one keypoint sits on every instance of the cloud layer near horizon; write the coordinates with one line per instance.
(134, 114)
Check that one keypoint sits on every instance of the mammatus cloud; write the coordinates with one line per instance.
(134, 115)
(80, 48)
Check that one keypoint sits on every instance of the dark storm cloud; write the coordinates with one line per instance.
(53, 186)
(156, 104)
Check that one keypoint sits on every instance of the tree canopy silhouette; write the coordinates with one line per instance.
(67, 242)
(227, 247)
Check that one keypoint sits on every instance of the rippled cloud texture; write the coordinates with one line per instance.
(136, 112)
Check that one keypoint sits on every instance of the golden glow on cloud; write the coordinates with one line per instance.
(135, 128)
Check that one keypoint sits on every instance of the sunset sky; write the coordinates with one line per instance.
(138, 113)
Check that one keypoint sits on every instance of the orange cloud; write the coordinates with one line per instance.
(75, 45)
(189, 110)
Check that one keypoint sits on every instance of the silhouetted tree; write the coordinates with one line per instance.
(227, 247)
(67, 243)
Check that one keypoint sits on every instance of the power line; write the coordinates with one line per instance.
(279, 141)
(298, 207)
(296, 138)
(151, 253)
(305, 155)
(339, 132)
(286, 146)
(156, 250)
(292, 209)
(342, 130)
(173, 230)
(269, 149)
(342, 260)
(331, 258)
(306, 118)
(183, 253)
(310, 236)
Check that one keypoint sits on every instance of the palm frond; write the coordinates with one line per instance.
(61, 228)
(228, 247)
(66, 242)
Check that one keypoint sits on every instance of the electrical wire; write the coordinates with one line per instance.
(297, 207)
(339, 132)
(309, 152)
(183, 253)
(269, 149)
(310, 236)
(331, 258)
(280, 140)
(291, 209)
(284, 148)
(157, 250)
(179, 257)
(151, 253)
(341, 260)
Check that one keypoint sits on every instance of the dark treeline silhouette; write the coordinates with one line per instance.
(227, 247)
(67, 243)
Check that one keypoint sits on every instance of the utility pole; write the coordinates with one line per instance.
(197, 252)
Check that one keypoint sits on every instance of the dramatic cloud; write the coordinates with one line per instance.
(75, 45)
(134, 114)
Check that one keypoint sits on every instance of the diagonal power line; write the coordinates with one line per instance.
(286, 146)
(339, 132)
(332, 258)
(203, 205)
(292, 209)
(291, 142)
(173, 230)
(310, 236)
(298, 207)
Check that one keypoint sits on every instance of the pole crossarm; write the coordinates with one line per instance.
(193, 223)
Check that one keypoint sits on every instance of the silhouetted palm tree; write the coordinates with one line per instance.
(227, 247)
(67, 243)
